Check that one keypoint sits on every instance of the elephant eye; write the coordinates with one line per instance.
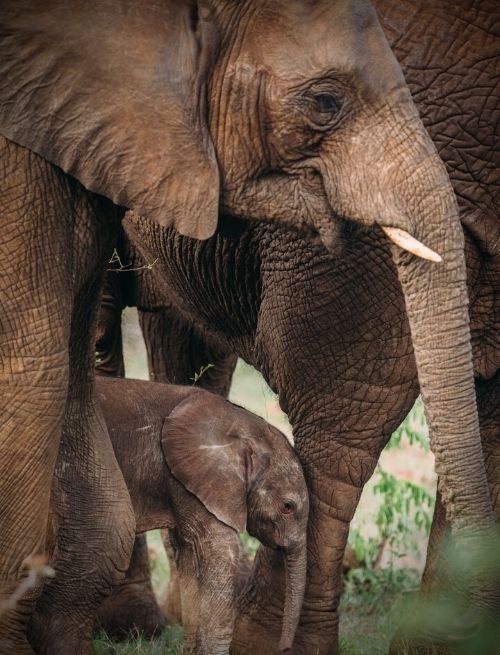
(289, 507)
(327, 103)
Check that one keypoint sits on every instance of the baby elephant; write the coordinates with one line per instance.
(207, 470)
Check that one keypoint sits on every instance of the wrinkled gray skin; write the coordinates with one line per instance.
(331, 336)
(286, 110)
(346, 383)
(206, 470)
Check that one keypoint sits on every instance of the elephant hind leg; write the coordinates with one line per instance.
(132, 607)
(177, 354)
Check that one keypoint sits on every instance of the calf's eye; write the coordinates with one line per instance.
(289, 507)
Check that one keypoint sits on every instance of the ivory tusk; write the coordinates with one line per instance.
(405, 240)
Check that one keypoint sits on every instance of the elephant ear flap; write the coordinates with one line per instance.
(203, 445)
(114, 93)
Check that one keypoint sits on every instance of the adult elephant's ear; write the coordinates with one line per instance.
(210, 449)
(113, 92)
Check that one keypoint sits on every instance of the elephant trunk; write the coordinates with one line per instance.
(398, 181)
(295, 568)
(436, 300)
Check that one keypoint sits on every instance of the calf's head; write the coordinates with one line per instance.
(246, 474)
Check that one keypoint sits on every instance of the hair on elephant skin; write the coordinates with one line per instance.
(290, 111)
(207, 470)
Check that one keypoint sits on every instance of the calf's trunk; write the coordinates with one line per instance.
(295, 568)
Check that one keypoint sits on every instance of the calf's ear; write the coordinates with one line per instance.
(207, 448)
(114, 94)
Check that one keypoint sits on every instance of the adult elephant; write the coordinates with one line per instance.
(344, 368)
(172, 110)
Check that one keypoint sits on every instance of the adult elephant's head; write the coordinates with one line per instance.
(292, 110)
(313, 123)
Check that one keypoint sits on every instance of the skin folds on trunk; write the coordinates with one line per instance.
(295, 568)
(437, 307)
(408, 188)
(404, 187)
(436, 303)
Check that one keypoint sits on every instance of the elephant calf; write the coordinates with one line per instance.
(207, 470)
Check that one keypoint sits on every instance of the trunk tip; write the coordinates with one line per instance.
(286, 642)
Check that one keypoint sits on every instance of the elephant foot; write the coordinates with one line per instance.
(60, 635)
(131, 608)
(258, 630)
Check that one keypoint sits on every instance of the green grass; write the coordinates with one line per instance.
(372, 607)
(367, 625)
(169, 643)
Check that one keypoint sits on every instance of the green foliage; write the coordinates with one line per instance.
(366, 549)
(404, 511)
(413, 429)
(370, 613)
(443, 618)
(404, 507)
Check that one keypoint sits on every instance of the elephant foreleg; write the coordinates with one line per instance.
(172, 604)
(207, 555)
(132, 607)
(34, 305)
(92, 515)
(340, 357)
